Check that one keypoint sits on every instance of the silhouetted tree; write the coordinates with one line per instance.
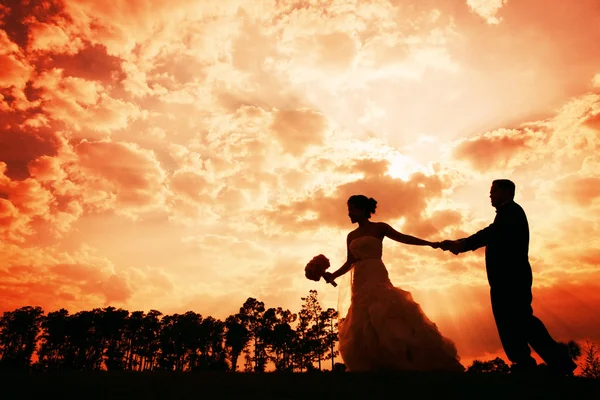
(251, 315)
(265, 333)
(281, 338)
(318, 332)
(150, 340)
(309, 343)
(55, 344)
(84, 350)
(496, 365)
(237, 337)
(211, 337)
(170, 344)
(591, 363)
(328, 320)
(247, 360)
(133, 340)
(182, 339)
(19, 331)
(110, 327)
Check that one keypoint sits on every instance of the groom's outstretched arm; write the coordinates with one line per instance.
(478, 239)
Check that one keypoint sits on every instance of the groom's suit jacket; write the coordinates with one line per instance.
(506, 243)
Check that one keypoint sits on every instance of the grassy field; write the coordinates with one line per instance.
(156, 385)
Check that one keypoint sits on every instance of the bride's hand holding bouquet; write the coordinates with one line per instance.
(316, 269)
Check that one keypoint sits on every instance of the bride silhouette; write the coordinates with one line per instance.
(384, 329)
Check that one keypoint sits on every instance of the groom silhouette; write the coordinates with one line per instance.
(510, 277)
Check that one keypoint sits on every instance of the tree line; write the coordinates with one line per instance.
(256, 337)
(114, 339)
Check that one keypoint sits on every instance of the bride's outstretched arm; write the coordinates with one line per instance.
(406, 239)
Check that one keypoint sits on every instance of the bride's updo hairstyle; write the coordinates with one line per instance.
(368, 204)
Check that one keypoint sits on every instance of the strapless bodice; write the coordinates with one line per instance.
(368, 270)
(366, 247)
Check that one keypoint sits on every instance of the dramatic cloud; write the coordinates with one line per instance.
(297, 129)
(131, 174)
(24, 138)
(15, 68)
(582, 190)
(499, 149)
(487, 9)
(570, 134)
(80, 280)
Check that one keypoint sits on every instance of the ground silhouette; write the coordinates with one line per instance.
(311, 385)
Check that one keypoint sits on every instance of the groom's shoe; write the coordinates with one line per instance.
(564, 368)
(562, 364)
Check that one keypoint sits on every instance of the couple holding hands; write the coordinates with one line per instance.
(386, 330)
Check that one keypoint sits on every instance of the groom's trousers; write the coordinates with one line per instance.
(519, 328)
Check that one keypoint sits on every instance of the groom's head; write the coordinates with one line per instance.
(502, 191)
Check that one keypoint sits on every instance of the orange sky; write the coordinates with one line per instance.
(190, 154)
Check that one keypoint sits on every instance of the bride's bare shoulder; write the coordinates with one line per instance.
(381, 226)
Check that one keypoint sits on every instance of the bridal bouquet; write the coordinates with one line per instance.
(316, 267)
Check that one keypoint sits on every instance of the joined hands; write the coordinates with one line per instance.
(454, 246)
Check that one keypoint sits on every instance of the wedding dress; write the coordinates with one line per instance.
(384, 329)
